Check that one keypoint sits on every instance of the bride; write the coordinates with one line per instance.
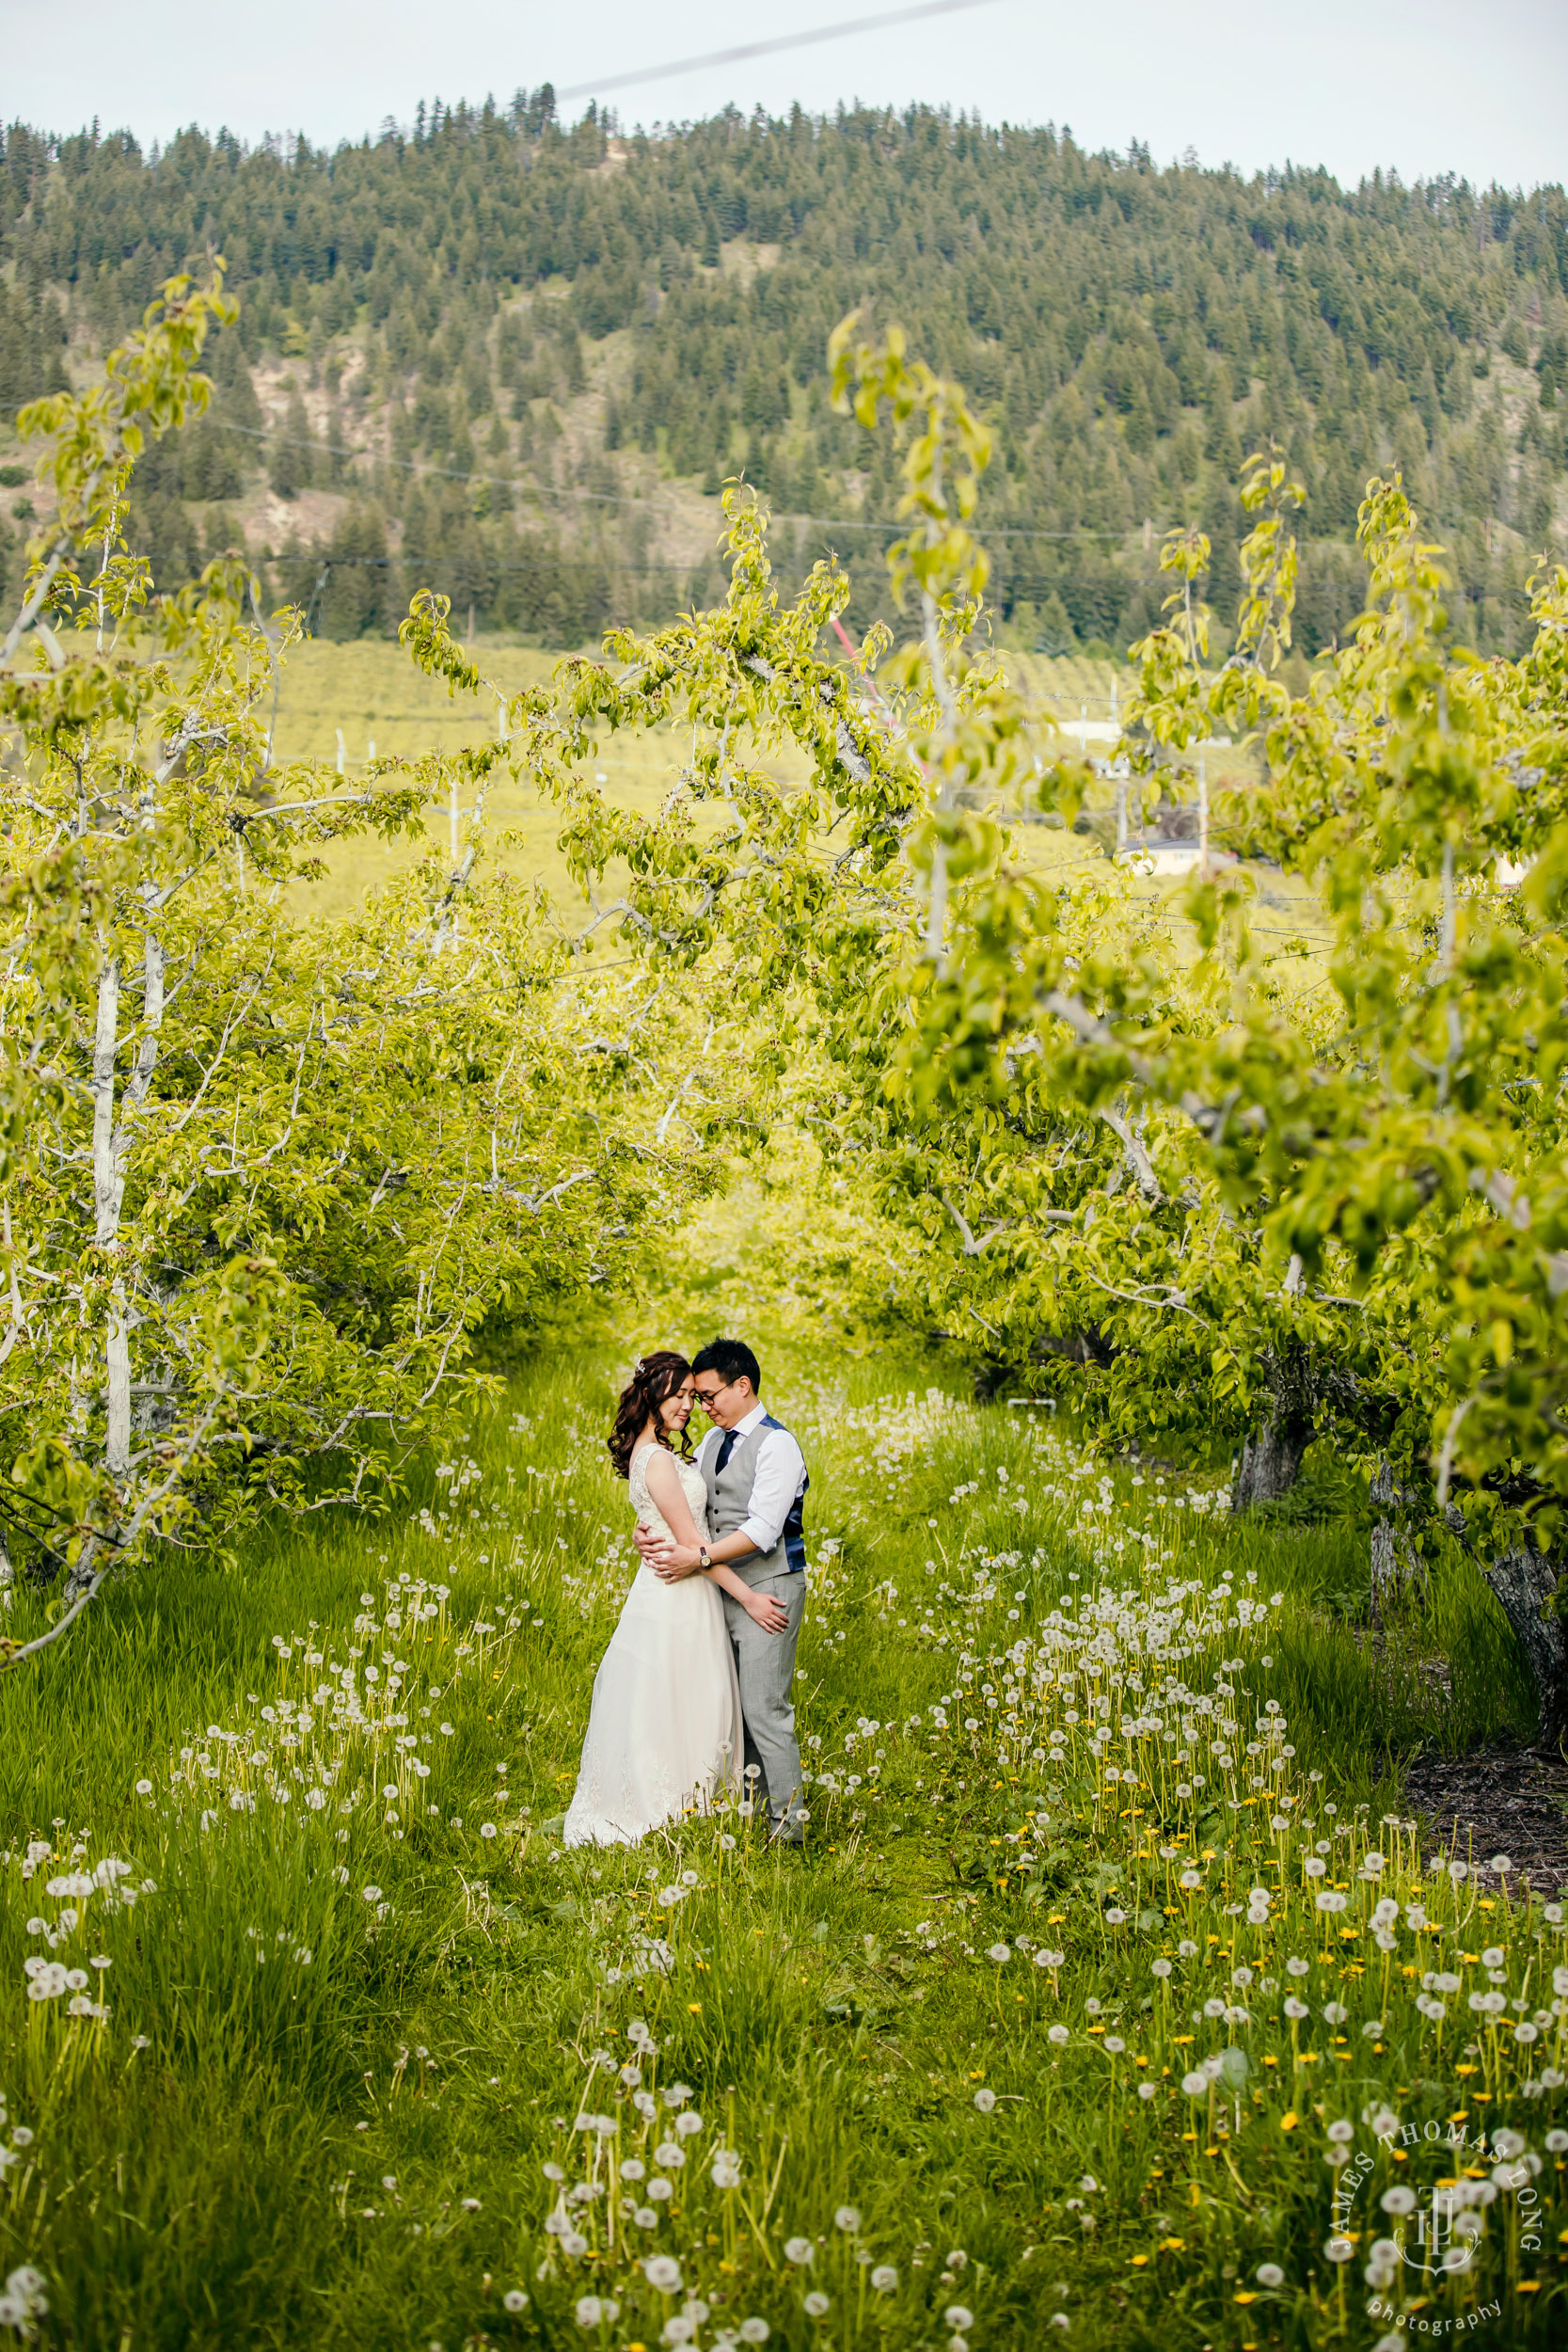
(664, 1733)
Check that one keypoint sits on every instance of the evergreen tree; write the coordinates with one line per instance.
(1130, 333)
(288, 464)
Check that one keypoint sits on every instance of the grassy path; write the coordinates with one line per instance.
(1051, 2029)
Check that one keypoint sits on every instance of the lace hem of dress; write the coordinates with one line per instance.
(593, 1819)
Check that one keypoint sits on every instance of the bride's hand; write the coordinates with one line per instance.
(769, 1614)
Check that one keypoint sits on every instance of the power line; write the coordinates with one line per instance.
(778, 515)
(310, 559)
(767, 48)
(610, 498)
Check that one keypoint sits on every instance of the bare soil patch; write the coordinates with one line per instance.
(1507, 1802)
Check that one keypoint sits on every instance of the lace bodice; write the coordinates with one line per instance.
(647, 1510)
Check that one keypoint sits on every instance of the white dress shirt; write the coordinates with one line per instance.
(777, 1483)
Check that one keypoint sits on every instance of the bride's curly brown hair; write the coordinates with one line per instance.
(654, 1380)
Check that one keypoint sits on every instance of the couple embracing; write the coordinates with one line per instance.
(696, 1682)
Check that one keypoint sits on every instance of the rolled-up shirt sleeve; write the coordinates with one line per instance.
(780, 1474)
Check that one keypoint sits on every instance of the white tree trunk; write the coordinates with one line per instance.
(152, 1021)
(108, 1190)
(109, 1142)
(936, 915)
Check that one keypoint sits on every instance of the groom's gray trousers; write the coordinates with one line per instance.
(765, 1663)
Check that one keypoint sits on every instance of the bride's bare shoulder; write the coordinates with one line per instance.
(658, 1464)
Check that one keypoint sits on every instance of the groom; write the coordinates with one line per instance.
(757, 1481)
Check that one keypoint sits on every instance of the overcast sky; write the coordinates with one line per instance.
(1422, 87)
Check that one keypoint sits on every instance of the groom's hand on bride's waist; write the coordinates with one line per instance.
(664, 1555)
(667, 1560)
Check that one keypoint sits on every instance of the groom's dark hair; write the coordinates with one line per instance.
(731, 1359)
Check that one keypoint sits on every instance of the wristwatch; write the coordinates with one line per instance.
(705, 1558)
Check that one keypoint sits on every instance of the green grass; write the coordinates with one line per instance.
(368, 693)
(256, 2149)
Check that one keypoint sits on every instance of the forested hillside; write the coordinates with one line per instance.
(514, 360)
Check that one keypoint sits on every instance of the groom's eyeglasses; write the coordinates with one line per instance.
(710, 1396)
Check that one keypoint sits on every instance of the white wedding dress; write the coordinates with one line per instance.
(664, 1732)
